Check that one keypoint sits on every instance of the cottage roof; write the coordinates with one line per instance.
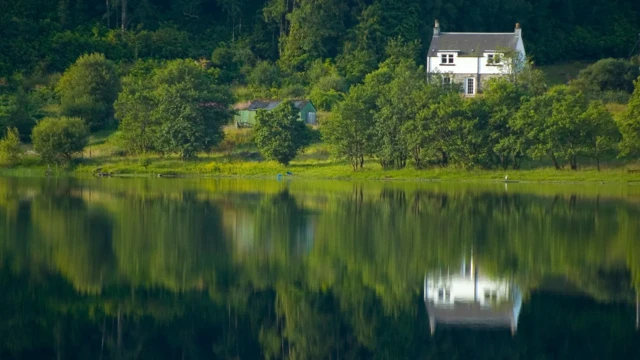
(268, 105)
(472, 44)
(473, 314)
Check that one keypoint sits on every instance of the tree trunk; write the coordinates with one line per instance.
(124, 15)
(574, 162)
(361, 161)
(445, 159)
(108, 13)
(555, 161)
(598, 160)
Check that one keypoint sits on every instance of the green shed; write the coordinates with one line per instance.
(246, 112)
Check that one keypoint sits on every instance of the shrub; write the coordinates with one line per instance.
(279, 133)
(57, 140)
(608, 75)
(88, 90)
(10, 149)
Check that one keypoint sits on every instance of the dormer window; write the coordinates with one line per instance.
(494, 59)
(446, 59)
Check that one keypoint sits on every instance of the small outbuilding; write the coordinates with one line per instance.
(246, 112)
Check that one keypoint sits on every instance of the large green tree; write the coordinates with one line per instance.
(280, 134)
(88, 90)
(350, 130)
(182, 109)
(191, 108)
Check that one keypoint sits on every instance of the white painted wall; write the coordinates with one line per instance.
(469, 65)
(462, 288)
(462, 65)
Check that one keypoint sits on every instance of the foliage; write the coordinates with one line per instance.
(20, 111)
(88, 90)
(280, 134)
(563, 123)
(134, 110)
(350, 129)
(608, 75)
(181, 110)
(57, 140)
(629, 124)
(10, 148)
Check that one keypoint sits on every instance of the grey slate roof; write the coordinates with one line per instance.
(472, 314)
(271, 104)
(472, 44)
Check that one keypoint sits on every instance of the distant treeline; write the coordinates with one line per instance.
(47, 36)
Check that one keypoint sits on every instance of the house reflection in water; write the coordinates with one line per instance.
(467, 298)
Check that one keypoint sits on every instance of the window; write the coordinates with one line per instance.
(493, 59)
(446, 59)
(469, 88)
(446, 80)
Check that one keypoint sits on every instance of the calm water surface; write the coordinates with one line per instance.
(251, 269)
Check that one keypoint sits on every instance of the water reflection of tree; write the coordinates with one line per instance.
(346, 275)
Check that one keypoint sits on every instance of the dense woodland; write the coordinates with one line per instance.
(166, 74)
(47, 36)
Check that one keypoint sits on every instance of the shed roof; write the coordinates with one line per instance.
(472, 44)
(268, 105)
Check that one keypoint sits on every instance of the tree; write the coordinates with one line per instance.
(10, 148)
(57, 140)
(88, 90)
(601, 131)
(503, 99)
(456, 130)
(314, 27)
(563, 123)
(280, 134)
(629, 124)
(400, 88)
(190, 108)
(349, 131)
(134, 109)
(19, 111)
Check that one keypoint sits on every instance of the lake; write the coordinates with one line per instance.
(138, 268)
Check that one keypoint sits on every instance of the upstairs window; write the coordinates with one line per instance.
(494, 59)
(446, 59)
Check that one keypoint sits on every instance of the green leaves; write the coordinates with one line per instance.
(10, 148)
(180, 110)
(280, 134)
(57, 140)
(88, 90)
(629, 124)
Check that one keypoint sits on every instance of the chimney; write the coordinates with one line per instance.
(436, 29)
(518, 30)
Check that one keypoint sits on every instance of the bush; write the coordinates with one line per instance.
(608, 75)
(279, 133)
(57, 140)
(88, 90)
(10, 149)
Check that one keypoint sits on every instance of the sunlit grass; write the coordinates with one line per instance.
(240, 158)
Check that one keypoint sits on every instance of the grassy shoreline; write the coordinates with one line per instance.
(221, 167)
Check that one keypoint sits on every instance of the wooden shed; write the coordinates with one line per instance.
(246, 112)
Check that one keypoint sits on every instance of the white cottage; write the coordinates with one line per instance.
(470, 59)
(470, 299)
